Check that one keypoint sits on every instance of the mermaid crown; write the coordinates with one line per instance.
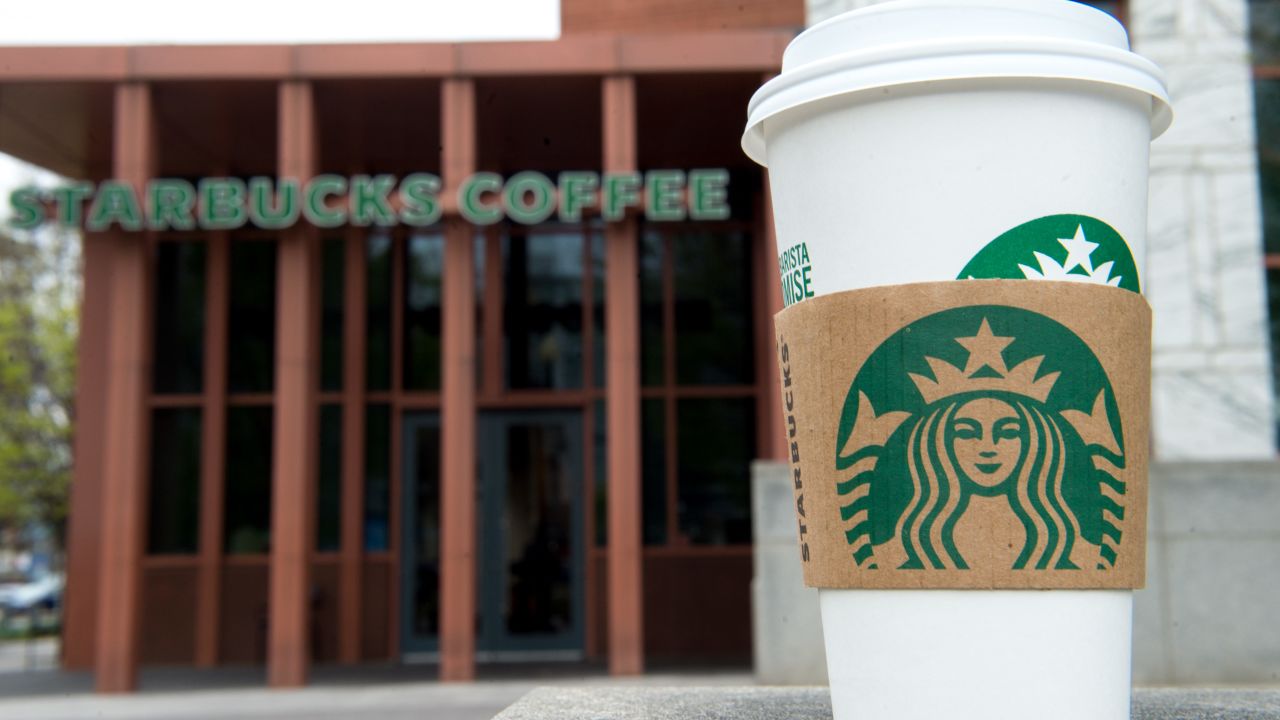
(985, 370)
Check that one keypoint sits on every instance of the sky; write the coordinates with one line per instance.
(150, 22)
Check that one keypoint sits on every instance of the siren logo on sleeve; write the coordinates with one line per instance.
(1074, 248)
(983, 436)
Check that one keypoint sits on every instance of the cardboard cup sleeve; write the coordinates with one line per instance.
(983, 434)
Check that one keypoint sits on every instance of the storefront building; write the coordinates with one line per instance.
(456, 442)
(386, 441)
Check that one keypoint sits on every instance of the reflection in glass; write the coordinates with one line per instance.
(423, 295)
(329, 488)
(179, 317)
(424, 493)
(173, 498)
(538, 520)
(713, 308)
(543, 309)
(377, 478)
(651, 337)
(332, 282)
(378, 311)
(251, 317)
(247, 503)
(716, 443)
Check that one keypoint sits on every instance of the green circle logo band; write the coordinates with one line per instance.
(1075, 248)
(982, 436)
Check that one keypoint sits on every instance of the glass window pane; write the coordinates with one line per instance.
(377, 328)
(1267, 113)
(179, 317)
(247, 507)
(600, 423)
(1110, 7)
(173, 501)
(713, 308)
(1273, 288)
(543, 309)
(716, 444)
(377, 478)
(479, 243)
(329, 487)
(597, 305)
(1264, 31)
(332, 282)
(423, 491)
(651, 338)
(653, 469)
(423, 295)
(251, 331)
(539, 553)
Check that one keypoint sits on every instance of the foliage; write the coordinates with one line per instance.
(39, 295)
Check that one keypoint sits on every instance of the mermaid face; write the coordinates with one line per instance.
(986, 437)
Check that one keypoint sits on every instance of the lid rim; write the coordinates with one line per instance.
(1012, 62)
(993, 46)
(753, 142)
(1017, 39)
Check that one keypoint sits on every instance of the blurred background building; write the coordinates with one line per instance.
(461, 444)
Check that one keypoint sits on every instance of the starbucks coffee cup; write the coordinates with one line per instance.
(934, 140)
(908, 140)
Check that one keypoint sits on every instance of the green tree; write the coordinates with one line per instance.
(39, 296)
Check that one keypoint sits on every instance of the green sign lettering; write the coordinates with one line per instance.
(222, 203)
(115, 203)
(469, 199)
(420, 205)
(384, 200)
(27, 213)
(529, 197)
(272, 213)
(663, 191)
(316, 209)
(172, 204)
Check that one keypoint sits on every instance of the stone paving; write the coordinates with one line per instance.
(381, 692)
(31, 689)
(774, 703)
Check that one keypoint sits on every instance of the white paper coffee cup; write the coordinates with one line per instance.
(925, 140)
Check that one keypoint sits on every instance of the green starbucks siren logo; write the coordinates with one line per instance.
(1058, 247)
(982, 437)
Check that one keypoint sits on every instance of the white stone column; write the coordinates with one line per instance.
(1212, 396)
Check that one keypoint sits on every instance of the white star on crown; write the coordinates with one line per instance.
(1079, 254)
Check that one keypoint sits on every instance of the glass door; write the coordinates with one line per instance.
(531, 545)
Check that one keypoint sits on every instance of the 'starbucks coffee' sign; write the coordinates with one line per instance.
(226, 203)
(980, 434)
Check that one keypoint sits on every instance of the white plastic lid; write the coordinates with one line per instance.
(910, 41)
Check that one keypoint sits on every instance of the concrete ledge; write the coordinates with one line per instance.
(770, 703)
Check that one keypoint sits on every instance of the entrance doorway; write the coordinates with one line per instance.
(529, 543)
